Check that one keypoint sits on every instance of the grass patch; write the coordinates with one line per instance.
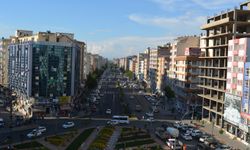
(134, 143)
(80, 139)
(60, 140)
(29, 145)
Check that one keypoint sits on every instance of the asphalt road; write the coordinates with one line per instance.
(111, 101)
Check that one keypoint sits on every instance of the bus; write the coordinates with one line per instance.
(121, 119)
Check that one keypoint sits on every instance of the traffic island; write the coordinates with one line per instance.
(135, 138)
(102, 138)
(30, 145)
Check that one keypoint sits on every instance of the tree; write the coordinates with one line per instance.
(129, 74)
(169, 92)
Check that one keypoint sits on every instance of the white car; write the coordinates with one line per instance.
(68, 125)
(150, 114)
(151, 119)
(34, 134)
(112, 122)
(187, 137)
(203, 138)
(108, 111)
(40, 128)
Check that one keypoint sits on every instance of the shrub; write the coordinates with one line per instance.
(221, 131)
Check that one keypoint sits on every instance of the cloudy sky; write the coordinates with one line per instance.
(112, 28)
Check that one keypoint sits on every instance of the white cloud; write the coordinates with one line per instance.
(185, 24)
(216, 4)
(125, 46)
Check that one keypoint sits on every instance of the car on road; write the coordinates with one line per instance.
(150, 114)
(131, 97)
(174, 144)
(108, 111)
(68, 124)
(203, 138)
(186, 137)
(112, 122)
(1, 122)
(41, 129)
(138, 108)
(150, 119)
(34, 134)
(223, 147)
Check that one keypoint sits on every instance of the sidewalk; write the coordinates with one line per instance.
(113, 139)
(223, 138)
(90, 139)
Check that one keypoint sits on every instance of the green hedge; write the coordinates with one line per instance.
(29, 145)
(80, 139)
(130, 138)
(134, 143)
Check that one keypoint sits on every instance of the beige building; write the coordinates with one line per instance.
(162, 67)
(4, 62)
(186, 80)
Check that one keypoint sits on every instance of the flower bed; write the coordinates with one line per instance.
(133, 137)
(102, 139)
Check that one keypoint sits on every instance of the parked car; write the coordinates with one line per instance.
(223, 147)
(211, 142)
(174, 144)
(108, 111)
(203, 138)
(186, 137)
(196, 133)
(1, 122)
(68, 125)
(34, 134)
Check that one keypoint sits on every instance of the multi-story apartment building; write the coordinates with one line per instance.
(146, 66)
(186, 80)
(87, 64)
(221, 28)
(82, 46)
(154, 54)
(162, 67)
(44, 65)
(140, 67)
(236, 104)
(132, 63)
(4, 59)
(178, 49)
